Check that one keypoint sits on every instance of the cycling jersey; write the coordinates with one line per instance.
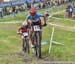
(36, 17)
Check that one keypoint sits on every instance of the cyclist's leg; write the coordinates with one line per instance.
(40, 34)
(31, 38)
(40, 37)
(29, 22)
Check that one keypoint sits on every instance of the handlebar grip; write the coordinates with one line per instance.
(44, 25)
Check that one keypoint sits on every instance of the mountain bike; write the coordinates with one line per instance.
(37, 39)
(25, 42)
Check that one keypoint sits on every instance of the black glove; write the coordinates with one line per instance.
(44, 24)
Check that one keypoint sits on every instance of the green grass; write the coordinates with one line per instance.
(8, 38)
(10, 44)
(61, 52)
(65, 52)
(60, 15)
(19, 17)
(63, 21)
(58, 8)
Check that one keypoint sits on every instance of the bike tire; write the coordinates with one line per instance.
(27, 45)
(35, 40)
(24, 45)
(38, 34)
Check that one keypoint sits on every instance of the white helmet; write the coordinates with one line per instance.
(24, 24)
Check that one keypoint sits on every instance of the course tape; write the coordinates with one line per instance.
(10, 22)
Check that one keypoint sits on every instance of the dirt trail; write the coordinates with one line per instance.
(22, 58)
(30, 59)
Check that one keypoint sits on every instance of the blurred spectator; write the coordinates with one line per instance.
(39, 5)
(1, 12)
(69, 11)
(48, 3)
(28, 4)
(14, 11)
(61, 1)
(44, 5)
(74, 11)
(70, 0)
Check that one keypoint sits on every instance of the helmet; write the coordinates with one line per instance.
(24, 24)
(32, 12)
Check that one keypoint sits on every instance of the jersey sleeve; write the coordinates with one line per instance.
(19, 29)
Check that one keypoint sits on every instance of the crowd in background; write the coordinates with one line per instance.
(23, 7)
(1, 12)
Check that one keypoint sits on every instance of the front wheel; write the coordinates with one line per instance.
(26, 45)
(38, 44)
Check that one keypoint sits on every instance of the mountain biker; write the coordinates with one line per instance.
(23, 31)
(34, 18)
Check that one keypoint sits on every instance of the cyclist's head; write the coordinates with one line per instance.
(32, 11)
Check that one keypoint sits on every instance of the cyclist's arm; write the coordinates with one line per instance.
(19, 31)
(28, 20)
(44, 18)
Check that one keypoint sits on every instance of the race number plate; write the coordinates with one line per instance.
(25, 34)
(36, 28)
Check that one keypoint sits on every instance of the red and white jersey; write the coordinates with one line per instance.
(23, 29)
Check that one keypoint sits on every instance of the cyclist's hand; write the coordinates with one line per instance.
(44, 24)
(19, 33)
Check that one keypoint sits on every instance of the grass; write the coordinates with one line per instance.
(62, 21)
(8, 37)
(10, 45)
(64, 52)
(19, 17)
